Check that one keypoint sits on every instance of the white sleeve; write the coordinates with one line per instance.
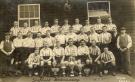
(118, 46)
(129, 42)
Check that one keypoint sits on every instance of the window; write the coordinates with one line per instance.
(98, 9)
(28, 13)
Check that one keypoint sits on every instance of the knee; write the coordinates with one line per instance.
(88, 61)
(49, 63)
(113, 63)
(42, 63)
(30, 66)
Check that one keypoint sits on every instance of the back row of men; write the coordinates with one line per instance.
(55, 27)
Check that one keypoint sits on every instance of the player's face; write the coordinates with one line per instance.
(66, 21)
(56, 22)
(70, 42)
(37, 52)
(15, 23)
(105, 50)
(77, 21)
(36, 23)
(71, 30)
(92, 29)
(104, 29)
(82, 30)
(93, 43)
(58, 44)
(110, 21)
(7, 37)
(48, 33)
(46, 24)
(25, 24)
(19, 35)
(46, 45)
(29, 34)
(38, 34)
(82, 43)
(123, 31)
(98, 20)
(87, 22)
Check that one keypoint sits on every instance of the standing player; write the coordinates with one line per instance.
(36, 28)
(98, 26)
(15, 29)
(61, 37)
(45, 28)
(77, 26)
(7, 49)
(104, 38)
(106, 61)
(46, 54)
(66, 26)
(110, 25)
(25, 29)
(33, 62)
(87, 27)
(55, 27)
(124, 43)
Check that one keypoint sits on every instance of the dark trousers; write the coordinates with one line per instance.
(108, 66)
(5, 63)
(125, 60)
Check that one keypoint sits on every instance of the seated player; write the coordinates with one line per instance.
(105, 38)
(18, 52)
(83, 52)
(49, 39)
(28, 45)
(61, 37)
(87, 27)
(38, 41)
(33, 62)
(93, 36)
(77, 26)
(106, 61)
(55, 27)
(59, 53)
(94, 52)
(98, 26)
(110, 25)
(25, 29)
(46, 54)
(72, 35)
(82, 35)
(66, 26)
(36, 28)
(6, 58)
(71, 54)
(15, 29)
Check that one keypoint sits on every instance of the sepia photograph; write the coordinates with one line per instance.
(67, 40)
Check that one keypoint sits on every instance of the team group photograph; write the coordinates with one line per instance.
(66, 43)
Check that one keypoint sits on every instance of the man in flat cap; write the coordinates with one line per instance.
(124, 43)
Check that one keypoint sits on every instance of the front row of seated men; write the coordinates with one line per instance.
(69, 61)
